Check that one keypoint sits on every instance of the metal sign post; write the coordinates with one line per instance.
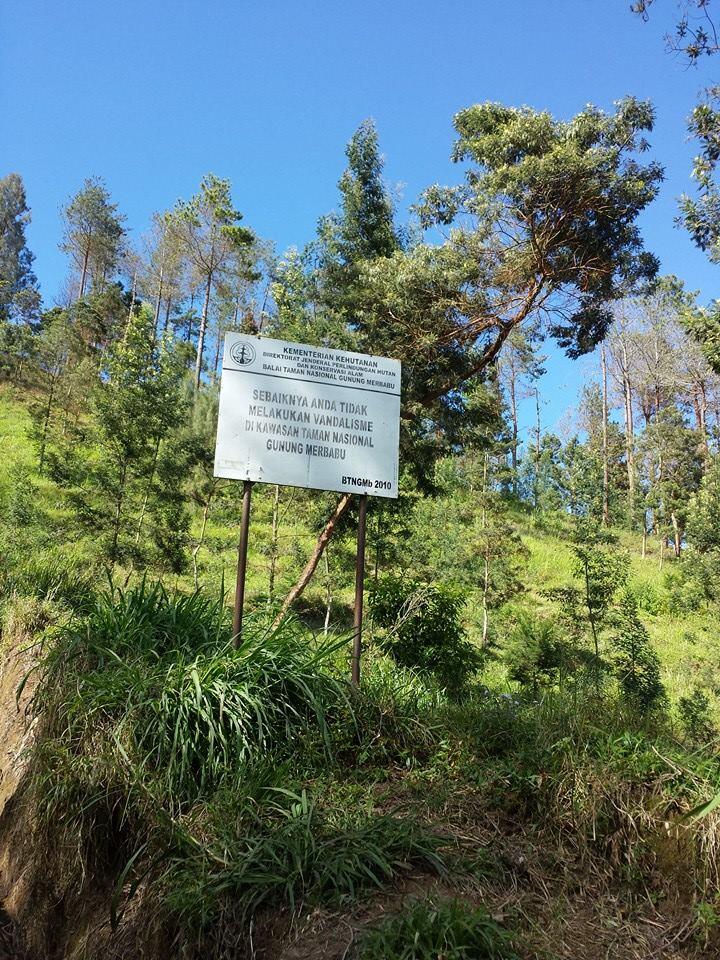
(242, 564)
(359, 589)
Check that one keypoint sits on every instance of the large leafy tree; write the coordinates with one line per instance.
(19, 295)
(673, 468)
(544, 228)
(695, 32)
(542, 232)
(695, 36)
(126, 467)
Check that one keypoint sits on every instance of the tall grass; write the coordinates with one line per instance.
(170, 757)
(157, 678)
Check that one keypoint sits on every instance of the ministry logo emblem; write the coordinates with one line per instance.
(242, 352)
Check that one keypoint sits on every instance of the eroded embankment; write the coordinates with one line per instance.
(17, 727)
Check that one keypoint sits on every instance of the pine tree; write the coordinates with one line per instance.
(636, 664)
(208, 232)
(94, 235)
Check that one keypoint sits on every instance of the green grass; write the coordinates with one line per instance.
(230, 781)
(284, 851)
(427, 930)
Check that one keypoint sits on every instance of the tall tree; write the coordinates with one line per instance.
(208, 231)
(19, 296)
(673, 469)
(518, 366)
(163, 275)
(125, 476)
(93, 235)
(544, 232)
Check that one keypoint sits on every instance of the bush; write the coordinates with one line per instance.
(648, 598)
(692, 583)
(427, 931)
(284, 850)
(695, 716)
(637, 666)
(535, 656)
(423, 630)
(157, 680)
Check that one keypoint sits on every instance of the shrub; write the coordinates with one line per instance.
(157, 680)
(695, 716)
(648, 598)
(423, 630)
(426, 931)
(535, 656)
(58, 579)
(637, 666)
(283, 850)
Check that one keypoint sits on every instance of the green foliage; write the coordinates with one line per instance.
(427, 930)
(600, 572)
(94, 234)
(648, 598)
(129, 472)
(19, 296)
(696, 717)
(284, 850)
(535, 654)
(676, 468)
(636, 664)
(703, 525)
(693, 583)
(53, 577)
(423, 629)
(570, 189)
(177, 700)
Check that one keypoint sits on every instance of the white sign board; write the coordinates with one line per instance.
(308, 417)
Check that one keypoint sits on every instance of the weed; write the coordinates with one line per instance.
(285, 851)
(426, 931)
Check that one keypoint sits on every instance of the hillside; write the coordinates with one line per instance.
(182, 798)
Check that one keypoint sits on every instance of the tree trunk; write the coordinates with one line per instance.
(677, 534)
(201, 538)
(702, 406)
(606, 474)
(514, 448)
(84, 272)
(376, 569)
(46, 423)
(536, 483)
(147, 489)
(201, 334)
(132, 307)
(218, 341)
(158, 301)
(486, 587)
(629, 437)
(341, 508)
(328, 592)
(273, 544)
(118, 513)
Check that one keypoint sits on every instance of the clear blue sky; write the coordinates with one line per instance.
(151, 95)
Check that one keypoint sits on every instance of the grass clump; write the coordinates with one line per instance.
(158, 680)
(426, 930)
(170, 759)
(286, 850)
